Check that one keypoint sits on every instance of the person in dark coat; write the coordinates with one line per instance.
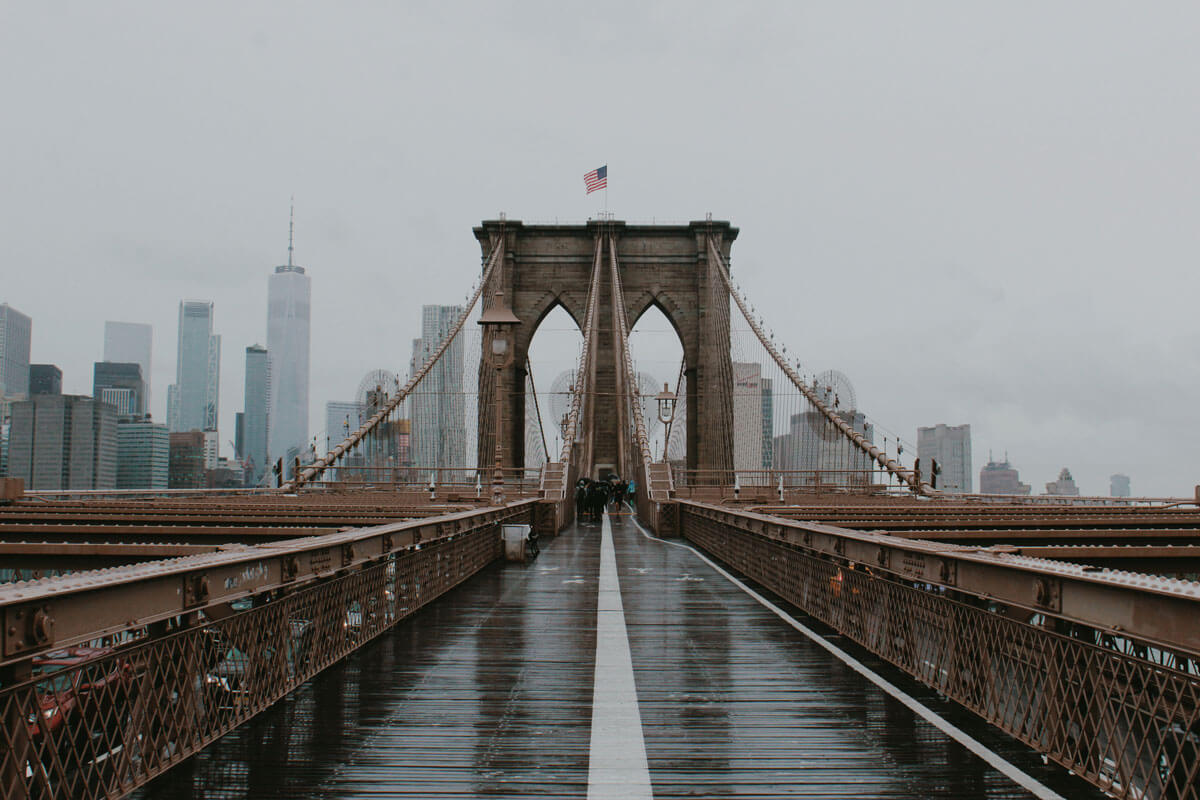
(598, 495)
(581, 497)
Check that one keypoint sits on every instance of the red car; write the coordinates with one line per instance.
(70, 693)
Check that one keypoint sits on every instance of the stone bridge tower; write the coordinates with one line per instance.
(667, 266)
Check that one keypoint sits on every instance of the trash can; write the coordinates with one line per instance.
(514, 537)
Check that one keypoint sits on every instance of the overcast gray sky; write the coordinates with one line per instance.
(982, 213)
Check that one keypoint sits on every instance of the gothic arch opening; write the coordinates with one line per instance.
(658, 358)
(552, 358)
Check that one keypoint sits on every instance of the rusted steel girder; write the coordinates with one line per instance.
(175, 534)
(54, 612)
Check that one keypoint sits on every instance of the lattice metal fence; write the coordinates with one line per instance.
(1129, 724)
(104, 726)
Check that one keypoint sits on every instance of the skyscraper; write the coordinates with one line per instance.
(1064, 486)
(1118, 485)
(185, 465)
(768, 423)
(193, 400)
(439, 420)
(289, 295)
(1001, 477)
(63, 442)
(813, 445)
(950, 446)
(143, 454)
(342, 418)
(16, 333)
(256, 416)
(747, 419)
(131, 343)
(121, 386)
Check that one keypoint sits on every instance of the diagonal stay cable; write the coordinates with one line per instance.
(314, 470)
(907, 477)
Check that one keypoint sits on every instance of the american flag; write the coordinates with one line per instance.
(596, 179)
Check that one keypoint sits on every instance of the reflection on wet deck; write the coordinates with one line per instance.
(487, 693)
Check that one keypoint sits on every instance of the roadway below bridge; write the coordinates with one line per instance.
(697, 689)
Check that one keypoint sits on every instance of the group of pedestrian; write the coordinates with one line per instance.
(591, 496)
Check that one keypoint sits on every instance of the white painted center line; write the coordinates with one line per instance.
(617, 766)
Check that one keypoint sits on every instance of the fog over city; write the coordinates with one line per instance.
(982, 214)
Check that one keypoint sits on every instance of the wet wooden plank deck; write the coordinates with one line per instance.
(488, 693)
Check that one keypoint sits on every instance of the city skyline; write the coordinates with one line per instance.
(1032, 331)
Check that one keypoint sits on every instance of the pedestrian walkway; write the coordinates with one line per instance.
(616, 665)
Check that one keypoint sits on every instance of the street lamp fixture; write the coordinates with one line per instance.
(666, 405)
(499, 322)
(666, 414)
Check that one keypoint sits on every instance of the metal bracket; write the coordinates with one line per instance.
(27, 628)
(291, 568)
(196, 590)
(1047, 593)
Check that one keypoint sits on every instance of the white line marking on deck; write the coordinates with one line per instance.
(995, 760)
(617, 765)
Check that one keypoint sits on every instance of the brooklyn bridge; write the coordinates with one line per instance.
(831, 624)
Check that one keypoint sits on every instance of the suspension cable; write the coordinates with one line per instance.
(537, 409)
(633, 394)
(585, 356)
(314, 470)
(907, 477)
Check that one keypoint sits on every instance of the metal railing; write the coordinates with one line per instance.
(95, 703)
(1096, 669)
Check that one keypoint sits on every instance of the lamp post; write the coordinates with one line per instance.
(666, 414)
(499, 321)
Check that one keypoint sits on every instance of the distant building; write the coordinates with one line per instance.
(225, 475)
(16, 334)
(256, 422)
(439, 417)
(813, 445)
(342, 418)
(1064, 486)
(143, 455)
(193, 401)
(950, 446)
(1001, 477)
(768, 422)
(63, 442)
(289, 300)
(44, 379)
(1118, 485)
(212, 448)
(186, 460)
(120, 384)
(747, 420)
(131, 343)
(239, 435)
